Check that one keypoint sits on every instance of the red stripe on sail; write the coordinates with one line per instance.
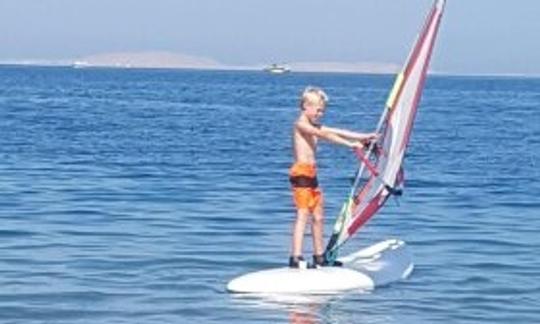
(362, 195)
(361, 156)
(414, 57)
(366, 213)
(419, 88)
(418, 45)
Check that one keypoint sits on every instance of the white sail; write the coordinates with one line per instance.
(382, 163)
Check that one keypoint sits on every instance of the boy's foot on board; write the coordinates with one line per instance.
(318, 261)
(294, 261)
(321, 261)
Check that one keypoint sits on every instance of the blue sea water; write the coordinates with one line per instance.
(134, 196)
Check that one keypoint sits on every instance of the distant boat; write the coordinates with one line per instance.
(80, 64)
(277, 69)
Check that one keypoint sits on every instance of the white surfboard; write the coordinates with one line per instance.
(377, 265)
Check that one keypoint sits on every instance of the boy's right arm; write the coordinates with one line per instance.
(324, 133)
(364, 137)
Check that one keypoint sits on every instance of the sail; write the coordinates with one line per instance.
(380, 174)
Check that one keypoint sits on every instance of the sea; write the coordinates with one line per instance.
(135, 195)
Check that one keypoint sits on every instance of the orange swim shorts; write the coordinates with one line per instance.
(305, 187)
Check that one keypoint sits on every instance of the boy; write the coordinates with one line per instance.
(307, 196)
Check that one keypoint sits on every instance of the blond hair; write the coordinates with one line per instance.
(313, 96)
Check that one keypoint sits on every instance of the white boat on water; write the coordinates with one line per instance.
(277, 69)
(80, 64)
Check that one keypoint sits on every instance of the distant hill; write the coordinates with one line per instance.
(147, 60)
(176, 60)
(170, 60)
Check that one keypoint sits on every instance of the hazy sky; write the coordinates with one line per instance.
(476, 36)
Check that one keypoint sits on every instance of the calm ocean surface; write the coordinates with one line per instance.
(134, 196)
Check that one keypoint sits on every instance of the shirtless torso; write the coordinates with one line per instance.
(304, 143)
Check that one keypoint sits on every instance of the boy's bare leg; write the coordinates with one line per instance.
(298, 231)
(317, 228)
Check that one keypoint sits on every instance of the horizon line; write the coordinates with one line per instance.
(251, 68)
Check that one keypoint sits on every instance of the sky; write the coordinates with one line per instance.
(476, 36)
